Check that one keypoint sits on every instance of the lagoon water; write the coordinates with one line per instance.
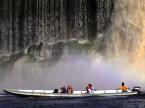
(7, 101)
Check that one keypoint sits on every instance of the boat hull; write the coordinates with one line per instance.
(76, 94)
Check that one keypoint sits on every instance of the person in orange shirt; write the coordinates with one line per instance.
(123, 87)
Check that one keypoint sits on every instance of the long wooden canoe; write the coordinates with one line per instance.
(49, 93)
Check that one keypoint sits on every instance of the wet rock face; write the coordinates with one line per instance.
(59, 48)
(24, 22)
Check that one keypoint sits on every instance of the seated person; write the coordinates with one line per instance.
(90, 88)
(123, 87)
(55, 91)
(63, 90)
(70, 90)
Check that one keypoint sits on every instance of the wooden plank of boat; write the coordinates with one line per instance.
(49, 93)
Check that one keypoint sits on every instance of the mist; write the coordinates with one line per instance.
(75, 69)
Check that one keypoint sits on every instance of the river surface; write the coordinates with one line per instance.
(8, 101)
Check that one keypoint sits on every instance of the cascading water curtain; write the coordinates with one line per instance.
(24, 22)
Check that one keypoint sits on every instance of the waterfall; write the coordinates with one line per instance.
(127, 32)
(69, 40)
(24, 22)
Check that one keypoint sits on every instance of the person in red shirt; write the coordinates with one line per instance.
(90, 88)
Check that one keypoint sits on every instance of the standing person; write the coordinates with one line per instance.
(90, 88)
(70, 89)
(123, 87)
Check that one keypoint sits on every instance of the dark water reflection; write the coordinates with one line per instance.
(15, 102)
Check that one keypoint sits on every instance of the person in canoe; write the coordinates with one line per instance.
(90, 88)
(123, 87)
(70, 89)
(63, 90)
(55, 91)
